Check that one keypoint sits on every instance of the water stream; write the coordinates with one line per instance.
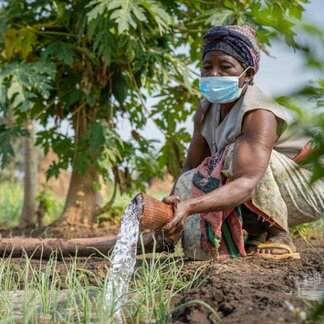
(123, 261)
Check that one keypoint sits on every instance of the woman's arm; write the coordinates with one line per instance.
(252, 154)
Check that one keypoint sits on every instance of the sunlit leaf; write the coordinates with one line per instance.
(27, 80)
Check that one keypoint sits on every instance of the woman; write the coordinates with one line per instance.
(240, 164)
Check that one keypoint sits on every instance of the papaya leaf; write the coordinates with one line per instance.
(6, 136)
(17, 94)
(54, 170)
(128, 13)
(159, 15)
(59, 51)
(96, 137)
(99, 7)
(25, 81)
(19, 42)
(119, 88)
(81, 162)
(220, 17)
(104, 44)
(122, 13)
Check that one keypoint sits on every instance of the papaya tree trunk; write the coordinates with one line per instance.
(81, 202)
(28, 213)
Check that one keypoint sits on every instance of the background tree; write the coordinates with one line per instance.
(29, 208)
(91, 64)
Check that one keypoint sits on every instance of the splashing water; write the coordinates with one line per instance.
(123, 261)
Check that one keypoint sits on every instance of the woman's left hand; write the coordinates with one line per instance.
(180, 214)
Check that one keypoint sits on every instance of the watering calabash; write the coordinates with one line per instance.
(155, 214)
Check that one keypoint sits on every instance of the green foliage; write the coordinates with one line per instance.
(311, 46)
(26, 83)
(318, 313)
(315, 229)
(128, 14)
(104, 140)
(156, 284)
(6, 148)
(60, 52)
(52, 205)
(20, 42)
(311, 122)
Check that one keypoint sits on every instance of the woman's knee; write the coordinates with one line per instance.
(184, 184)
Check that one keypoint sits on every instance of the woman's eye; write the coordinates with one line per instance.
(225, 67)
(207, 67)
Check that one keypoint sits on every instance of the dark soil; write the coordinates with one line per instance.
(255, 290)
(241, 290)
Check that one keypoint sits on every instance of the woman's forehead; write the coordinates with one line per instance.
(219, 56)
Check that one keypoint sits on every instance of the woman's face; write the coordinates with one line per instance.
(218, 63)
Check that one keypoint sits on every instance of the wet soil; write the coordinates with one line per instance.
(254, 289)
(241, 290)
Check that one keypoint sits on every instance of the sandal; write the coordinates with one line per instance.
(273, 245)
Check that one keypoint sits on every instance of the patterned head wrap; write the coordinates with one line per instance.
(237, 41)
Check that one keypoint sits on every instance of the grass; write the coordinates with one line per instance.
(158, 283)
(34, 294)
(11, 198)
(41, 296)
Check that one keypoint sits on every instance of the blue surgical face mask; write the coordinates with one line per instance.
(221, 89)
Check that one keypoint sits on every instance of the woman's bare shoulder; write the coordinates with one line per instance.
(260, 123)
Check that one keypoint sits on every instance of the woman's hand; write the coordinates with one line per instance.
(181, 212)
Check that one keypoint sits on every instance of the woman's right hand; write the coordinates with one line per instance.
(181, 211)
(172, 200)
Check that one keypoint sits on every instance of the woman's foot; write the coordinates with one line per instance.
(276, 235)
(266, 240)
(253, 241)
(278, 243)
